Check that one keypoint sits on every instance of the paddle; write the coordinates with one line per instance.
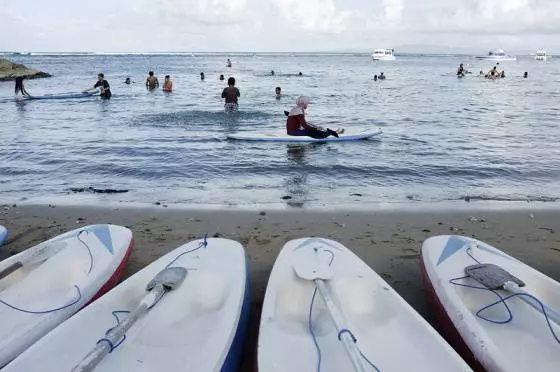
(495, 277)
(311, 267)
(41, 254)
(166, 280)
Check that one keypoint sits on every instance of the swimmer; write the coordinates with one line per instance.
(167, 84)
(152, 81)
(278, 92)
(231, 94)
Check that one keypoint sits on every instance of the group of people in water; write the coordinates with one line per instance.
(492, 74)
(296, 124)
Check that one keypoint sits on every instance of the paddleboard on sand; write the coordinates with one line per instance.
(348, 135)
(498, 338)
(302, 329)
(46, 284)
(65, 95)
(197, 326)
(3, 234)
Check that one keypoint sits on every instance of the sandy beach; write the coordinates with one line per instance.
(388, 241)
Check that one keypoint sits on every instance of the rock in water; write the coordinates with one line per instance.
(10, 70)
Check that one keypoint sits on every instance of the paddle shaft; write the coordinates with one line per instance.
(550, 313)
(10, 269)
(345, 337)
(94, 357)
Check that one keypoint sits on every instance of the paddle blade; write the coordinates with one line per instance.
(312, 264)
(170, 278)
(491, 276)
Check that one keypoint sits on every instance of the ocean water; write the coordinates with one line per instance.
(445, 139)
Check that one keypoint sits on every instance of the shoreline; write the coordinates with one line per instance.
(354, 206)
(388, 241)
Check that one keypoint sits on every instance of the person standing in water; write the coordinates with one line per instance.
(278, 92)
(525, 74)
(231, 94)
(19, 88)
(202, 76)
(297, 126)
(167, 84)
(461, 71)
(103, 85)
(374, 77)
(152, 81)
(221, 77)
(228, 63)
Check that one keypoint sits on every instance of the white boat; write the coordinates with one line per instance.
(46, 284)
(541, 55)
(326, 310)
(499, 338)
(197, 326)
(497, 55)
(383, 55)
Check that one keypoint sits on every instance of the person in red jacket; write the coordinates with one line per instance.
(297, 126)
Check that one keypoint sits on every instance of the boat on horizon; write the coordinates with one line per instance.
(541, 55)
(497, 55)
(383, 54)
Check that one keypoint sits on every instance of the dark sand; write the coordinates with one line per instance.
(387, 241)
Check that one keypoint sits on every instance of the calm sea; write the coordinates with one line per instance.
(445, 139)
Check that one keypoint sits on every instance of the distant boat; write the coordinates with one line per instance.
(497, 55)
(541, 55)
(383, 55)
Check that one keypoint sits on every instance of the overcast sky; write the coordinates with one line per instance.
(279, 25)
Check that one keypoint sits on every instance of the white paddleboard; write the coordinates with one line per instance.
(524, 344)
(3, 234)
(389, 333)
(64, 273)
(348, 135)
(196, 327)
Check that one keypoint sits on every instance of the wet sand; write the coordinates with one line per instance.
(388, 241)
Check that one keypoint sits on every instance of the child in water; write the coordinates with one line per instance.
(297, 126)
(231, 93)
(167, 84)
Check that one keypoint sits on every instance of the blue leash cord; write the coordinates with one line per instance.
(340, 332)
(502, 300)
(203, 243)
(75, 286)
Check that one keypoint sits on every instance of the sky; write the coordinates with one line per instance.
(279, 25)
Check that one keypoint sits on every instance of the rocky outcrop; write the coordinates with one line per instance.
(10, 70)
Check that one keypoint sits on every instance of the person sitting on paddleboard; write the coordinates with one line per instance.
(381, 76)
(297, 126)
(152, 81)
(461, 71)
(103, 85)
(167, 84)
(231, 93)
(19, 88)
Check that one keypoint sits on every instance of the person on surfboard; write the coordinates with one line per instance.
(297, 126)
(231, 94)
(152, 81)
(103, 85)
(19, 88)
